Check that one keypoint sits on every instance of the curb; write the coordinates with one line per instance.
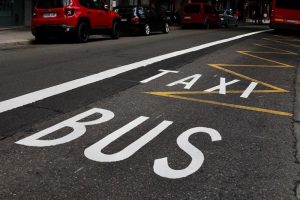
(14, 44)
(296, 119)
(174, 28)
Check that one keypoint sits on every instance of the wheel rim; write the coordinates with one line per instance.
(147, 29)
(167, 28)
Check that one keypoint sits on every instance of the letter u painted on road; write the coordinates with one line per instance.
(94, 152)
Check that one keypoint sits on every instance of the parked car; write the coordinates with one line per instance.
(172, 18)
(78, 18)
(228, 18)
(200, 13)
(141, 19)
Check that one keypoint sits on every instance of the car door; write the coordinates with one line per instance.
(88, 11)
(102, 16)
(155, 20)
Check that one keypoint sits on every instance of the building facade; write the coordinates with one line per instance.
(16, 12)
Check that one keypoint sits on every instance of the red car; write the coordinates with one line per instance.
(200, 13)
(78, 18)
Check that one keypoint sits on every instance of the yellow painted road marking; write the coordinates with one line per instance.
(163, 93)
(287, 38)
(265, 59)
(223, 67)
(247, 78)
(277, 49)
(272, 40)
(257, 109)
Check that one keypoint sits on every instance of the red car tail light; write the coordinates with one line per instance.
(135, 20)
(69, 11)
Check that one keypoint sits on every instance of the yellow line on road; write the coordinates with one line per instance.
(265, 59)
(283, 50)
(163, 93)
(287, 38)
(294, 45)
(274, 89)
(258, 66)
(247, 78)
(257, 109)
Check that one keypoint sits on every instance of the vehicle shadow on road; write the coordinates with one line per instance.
(66, 41)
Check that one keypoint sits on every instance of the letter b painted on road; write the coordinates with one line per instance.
(79, 128)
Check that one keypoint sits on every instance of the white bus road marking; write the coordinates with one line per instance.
(71, 85)
(94, 152)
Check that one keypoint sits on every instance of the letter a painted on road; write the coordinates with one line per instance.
(79, 128)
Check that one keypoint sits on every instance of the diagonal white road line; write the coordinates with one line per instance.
(67, 86)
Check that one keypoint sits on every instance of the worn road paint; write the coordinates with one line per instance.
(71, 85)
(95, 153)
(163, 72)
(188, 81)
(248, 91)
(257, 109)
(161, 166)
(79, 128)
(222, 86)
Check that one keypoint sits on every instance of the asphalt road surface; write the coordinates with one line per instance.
(91, 121)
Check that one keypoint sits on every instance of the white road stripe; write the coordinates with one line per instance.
(65, 87)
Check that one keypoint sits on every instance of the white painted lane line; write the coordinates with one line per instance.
(65, 87)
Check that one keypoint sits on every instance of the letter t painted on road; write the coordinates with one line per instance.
(163, 72)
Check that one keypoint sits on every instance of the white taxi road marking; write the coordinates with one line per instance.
(71, 85)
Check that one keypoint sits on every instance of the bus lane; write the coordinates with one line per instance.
(219, 127)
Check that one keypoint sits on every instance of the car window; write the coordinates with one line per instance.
(52, 3)
(154, 13)
(92, 4)
(123, 10)
(291, 4)
(208, 9)
(147, 11)
(98, 4)
(192, 9)
(141, 12)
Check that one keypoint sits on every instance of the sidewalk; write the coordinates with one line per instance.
(15, 36)
(19, 36)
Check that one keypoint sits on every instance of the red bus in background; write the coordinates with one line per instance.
(285, 15)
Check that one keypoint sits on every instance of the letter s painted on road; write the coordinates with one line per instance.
(161, 166)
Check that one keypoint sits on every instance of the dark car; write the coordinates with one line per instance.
(141, 19)
(78, 18)
(228, 18)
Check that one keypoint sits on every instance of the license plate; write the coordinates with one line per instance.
(49, 15)
(187, 17)
(291, 21)
(124, 20)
